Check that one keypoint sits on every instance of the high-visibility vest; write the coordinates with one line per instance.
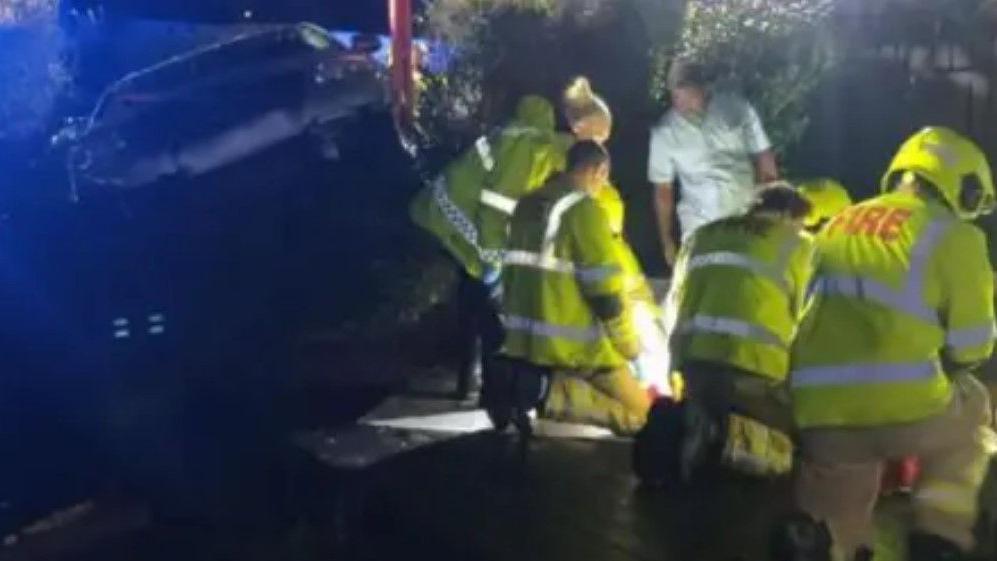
(467, 207)
(900, 280)
(636, 286)
(561, 253)
(738, 293)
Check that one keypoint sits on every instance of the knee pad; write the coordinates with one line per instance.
(753, 448)
(800, 538)
(682, 442)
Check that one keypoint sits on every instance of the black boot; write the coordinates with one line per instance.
(928, 547)
(801, 538)
(498, 393)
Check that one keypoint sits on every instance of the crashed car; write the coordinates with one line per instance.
(216, 105)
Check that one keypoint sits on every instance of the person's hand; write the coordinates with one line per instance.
(671, 251)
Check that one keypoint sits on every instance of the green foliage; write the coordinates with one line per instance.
(775, 51)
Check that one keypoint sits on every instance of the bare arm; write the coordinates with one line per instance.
(766, 169)
(664, 204)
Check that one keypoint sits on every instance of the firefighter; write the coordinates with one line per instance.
(467, 209)
(900, 317)
(566, 317)
(827, 198)
(739, 289)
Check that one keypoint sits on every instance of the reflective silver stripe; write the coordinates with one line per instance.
(554, 219)
(731, 259)
(949, 497)
(498, 201)
(484, 149)
(544, 329)
(910, 299)
(518, 130)
(730, 326)
(538, 261)
(871, 373)
(868, 289)
(551, 263)
(596, 274)
(970, 336)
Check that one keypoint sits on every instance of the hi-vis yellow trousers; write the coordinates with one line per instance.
(612, 399)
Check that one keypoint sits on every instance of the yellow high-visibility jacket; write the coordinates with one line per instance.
(900, 284)
(739, 286)
(561, 256)
(467, 208)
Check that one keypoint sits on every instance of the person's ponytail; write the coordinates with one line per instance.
(580, 102)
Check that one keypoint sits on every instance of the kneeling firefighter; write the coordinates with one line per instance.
(737, 294)
(467, 208)
(568, 324)
(829, 198)
(901, 315)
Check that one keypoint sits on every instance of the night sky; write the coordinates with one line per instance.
(362, 15)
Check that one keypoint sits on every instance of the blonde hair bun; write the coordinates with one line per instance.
(579, 92)
(581, 102)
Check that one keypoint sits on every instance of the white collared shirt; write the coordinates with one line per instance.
(711, 156)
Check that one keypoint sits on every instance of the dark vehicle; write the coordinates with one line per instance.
(150, 327)
(252, 92)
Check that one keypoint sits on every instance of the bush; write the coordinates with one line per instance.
(775, 51)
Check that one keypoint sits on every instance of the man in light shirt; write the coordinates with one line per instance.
(715, 145)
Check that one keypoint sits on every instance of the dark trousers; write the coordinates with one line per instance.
(721, 388)
(480, 332)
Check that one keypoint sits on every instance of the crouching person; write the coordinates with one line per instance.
(901, 316)
(738, 289)
(567, 321)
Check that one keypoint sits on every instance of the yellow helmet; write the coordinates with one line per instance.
(827, 198)
(952, 163)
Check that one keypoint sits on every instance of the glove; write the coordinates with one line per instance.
(623, 334)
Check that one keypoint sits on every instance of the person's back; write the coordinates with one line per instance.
(901, 314)
(738, 286)
(565, 313)
(899, 280)
(742, 282)
(575, 261)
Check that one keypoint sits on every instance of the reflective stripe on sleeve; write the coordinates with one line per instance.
(498, 201)
(544, 329)
(484, 149)
(872, 373)
(971, 336)
(730, 326)
(535, 260)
